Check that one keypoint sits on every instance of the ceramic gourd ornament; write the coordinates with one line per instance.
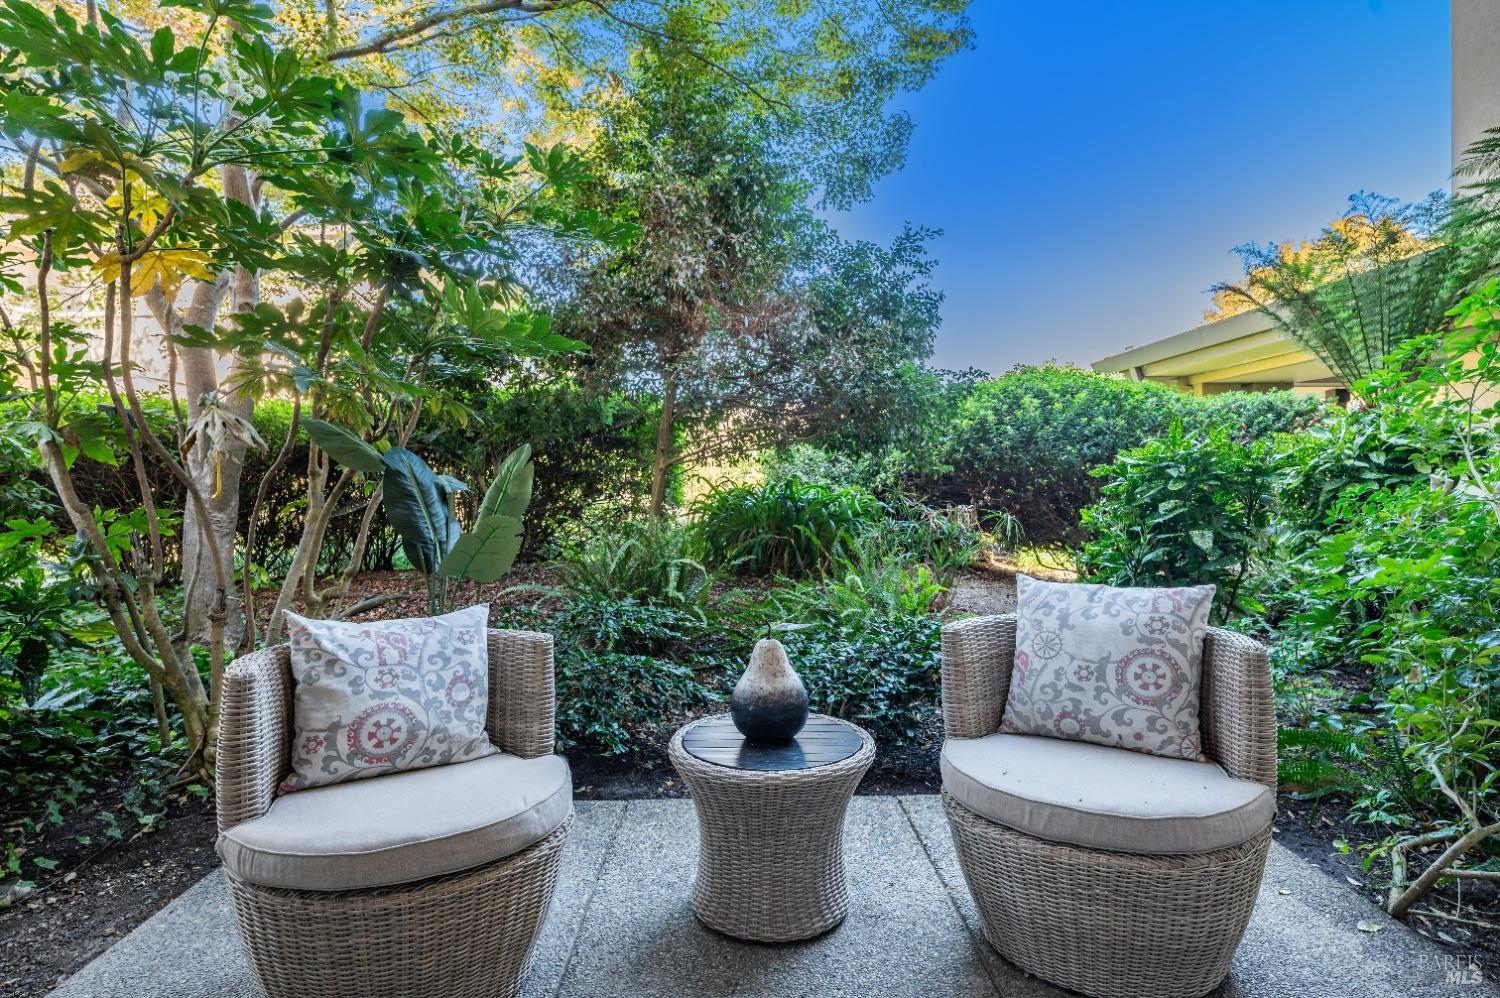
(769, 705)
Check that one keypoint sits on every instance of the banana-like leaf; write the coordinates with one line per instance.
(417, 506)
(451, 485)
(485, 553)
(344, 447)
(510, 492)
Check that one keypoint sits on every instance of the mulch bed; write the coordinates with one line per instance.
(1325, 834)
(99, 891)
(97, 894)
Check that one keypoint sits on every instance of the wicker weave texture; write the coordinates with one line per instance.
(255, 717)
(1109, 924)
(470, 935)
(523, 695)
(255, 734)
(1238, 707)
(1106, 923)
(977, 656)
(771, 844)
(465, 935)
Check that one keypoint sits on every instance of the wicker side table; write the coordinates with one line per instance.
(771, 825)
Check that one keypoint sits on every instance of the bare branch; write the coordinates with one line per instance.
(387, 40)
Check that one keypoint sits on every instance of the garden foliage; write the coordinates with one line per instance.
(1025, 444)
(1365, 550)
(1184, 509)
(787, 527)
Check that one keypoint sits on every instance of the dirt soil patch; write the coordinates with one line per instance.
(101, 889)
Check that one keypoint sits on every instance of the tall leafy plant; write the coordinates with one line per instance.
(789, 527)
(418, 502)
(1182, 510)
(1383, 273)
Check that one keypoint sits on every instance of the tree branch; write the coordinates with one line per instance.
(387, 40)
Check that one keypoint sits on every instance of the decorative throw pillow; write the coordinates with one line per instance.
(386, 696)
(1119, 667)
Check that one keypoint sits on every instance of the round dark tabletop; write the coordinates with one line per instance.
(821, 742)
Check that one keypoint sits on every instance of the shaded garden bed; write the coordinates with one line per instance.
(102, 887)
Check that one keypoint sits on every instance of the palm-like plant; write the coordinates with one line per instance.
(1383, 273)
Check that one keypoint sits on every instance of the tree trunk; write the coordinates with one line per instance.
(217, 474)
(666, 443)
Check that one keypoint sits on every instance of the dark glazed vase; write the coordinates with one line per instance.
(769, 705)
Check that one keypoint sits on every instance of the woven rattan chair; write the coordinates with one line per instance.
(458, 933)
(1098, 917)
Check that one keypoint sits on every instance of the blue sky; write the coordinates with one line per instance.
(1092, 164)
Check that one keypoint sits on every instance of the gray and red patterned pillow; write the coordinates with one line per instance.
(386, 696)
(1113, 666)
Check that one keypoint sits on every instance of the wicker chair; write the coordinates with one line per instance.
(460, 933)
(1138, 923)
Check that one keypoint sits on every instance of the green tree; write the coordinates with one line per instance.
(394, 250)
(748, 318)
(1383, 273)
(823, 70)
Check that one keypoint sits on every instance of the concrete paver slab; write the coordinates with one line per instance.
(622, 925)
(901, 938)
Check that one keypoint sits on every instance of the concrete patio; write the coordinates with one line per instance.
(622, 925)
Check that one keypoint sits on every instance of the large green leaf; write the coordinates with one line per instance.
(510, 492)
(344, 447)
(416, 505)
(485, 553)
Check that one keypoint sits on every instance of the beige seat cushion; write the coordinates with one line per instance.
(1103, 798)
(402, 827)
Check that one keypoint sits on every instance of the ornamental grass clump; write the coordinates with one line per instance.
(790, 527)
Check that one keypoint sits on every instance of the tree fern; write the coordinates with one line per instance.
(1381, 274)
(1369, 765)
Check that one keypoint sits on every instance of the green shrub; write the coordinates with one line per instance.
(880, 671)
(592, 449)
(882, 471)
(626, 668)
(22, 494)
(1182, 510)
(34, 612)
(644, 559)
(1403, 567)
(1024, 444)
(589, 449)
(1251, 416)
(92, 714)
(944, 540)
(604, 623)
(1351, 453)
(1406, 588)
(790, 527)
(613, 703)
(868, 584)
